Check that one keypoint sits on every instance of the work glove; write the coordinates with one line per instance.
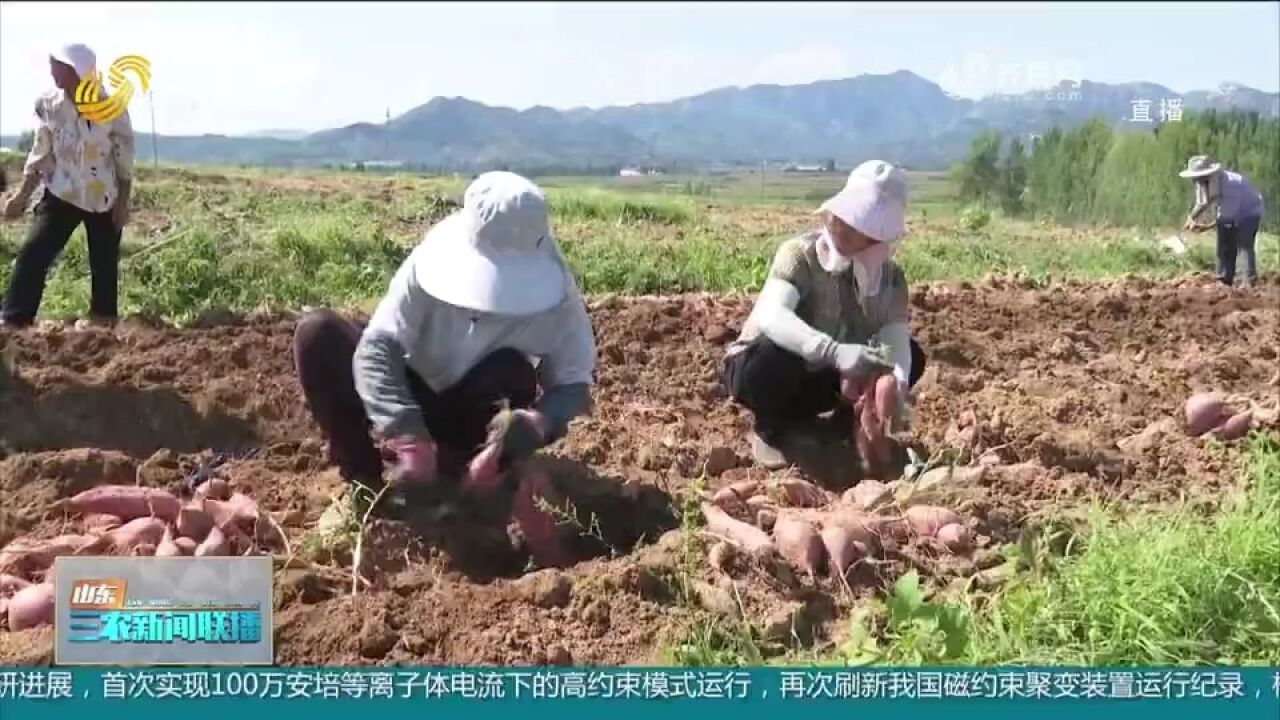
(860, 363)
(416, 460)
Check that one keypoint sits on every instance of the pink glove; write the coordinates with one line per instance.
(415, 459)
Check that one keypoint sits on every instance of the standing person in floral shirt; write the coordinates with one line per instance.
(87, 172)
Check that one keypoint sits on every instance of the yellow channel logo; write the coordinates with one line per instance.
(89, 92)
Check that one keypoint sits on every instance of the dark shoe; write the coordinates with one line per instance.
(766, 456)
(793, 447)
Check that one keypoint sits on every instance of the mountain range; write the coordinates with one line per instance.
(900, 117)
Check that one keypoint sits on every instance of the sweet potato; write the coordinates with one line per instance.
(101, 522)
(1233, 428)
(926, 520)
(737, 492)
(954, 537)
(214, 544)
(10, 584)
(239, 513)
(31, 607)
(860, 526)
(1204, 412)
(750, 537)
(215, 488)
(868, 494)
(167, 547)
(186, 545)
(25, 556)
(194, 522)
(841, 549)
(139, 531)
(126, 502)
(801, 493)
(799, 543)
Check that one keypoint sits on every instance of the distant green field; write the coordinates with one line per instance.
(768, 187)
(212, 238)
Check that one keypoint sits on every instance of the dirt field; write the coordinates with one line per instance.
(1052, 389)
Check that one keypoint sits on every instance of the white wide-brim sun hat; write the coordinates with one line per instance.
(873, 201)
(77, 56)
(496, 254)
(1200, 166)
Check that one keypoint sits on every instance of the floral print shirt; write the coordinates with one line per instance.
(79, 161)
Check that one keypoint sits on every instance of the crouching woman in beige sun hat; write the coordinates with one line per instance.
(484, 296)
(807, 346)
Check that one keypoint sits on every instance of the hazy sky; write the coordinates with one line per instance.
(231, 67)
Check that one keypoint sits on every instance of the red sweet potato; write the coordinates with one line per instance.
(861, 527)
(1204, 412)
(194, 522)
(868, 494)
(126, 502)
(215, 489)
(799, 543)
(186, 545)
(735, 493)
(31, 607)
(25, 556)
(842, 550)
(954, 537)
(750, 537)
(101, 522)
(926, 520)
(10, 584)
(886, 395)
(240, 511)
(1233, 428)
(214, 544)
(801, 493)
(167, 546)
(139, 531)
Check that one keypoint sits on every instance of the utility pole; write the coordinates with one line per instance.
(386, 137)
(155, 152)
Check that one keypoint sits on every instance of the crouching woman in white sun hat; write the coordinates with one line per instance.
(829, 329)
(484, 294)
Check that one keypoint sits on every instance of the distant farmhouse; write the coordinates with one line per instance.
(637, 172)
(828, 166)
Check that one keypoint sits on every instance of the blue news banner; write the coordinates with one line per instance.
(394, 692)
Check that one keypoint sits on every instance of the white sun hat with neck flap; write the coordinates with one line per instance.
(496, 254)
(873, 201)
(77, 56)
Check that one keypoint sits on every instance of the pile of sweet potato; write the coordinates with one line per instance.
(130, 520)
(821, 534)
(1218, 416)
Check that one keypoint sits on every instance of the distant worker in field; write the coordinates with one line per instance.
(1238, 215)
(807, 347)
(483, 296)
(87, 172)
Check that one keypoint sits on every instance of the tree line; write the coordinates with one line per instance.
(1119, 176)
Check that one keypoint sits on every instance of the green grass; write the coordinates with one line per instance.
(245, 239)
(1181, 586)
(1154, 588)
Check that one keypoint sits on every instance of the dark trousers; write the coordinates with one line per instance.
(782, 393)
(1235, 239)
(324, 344)
(52, 223)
